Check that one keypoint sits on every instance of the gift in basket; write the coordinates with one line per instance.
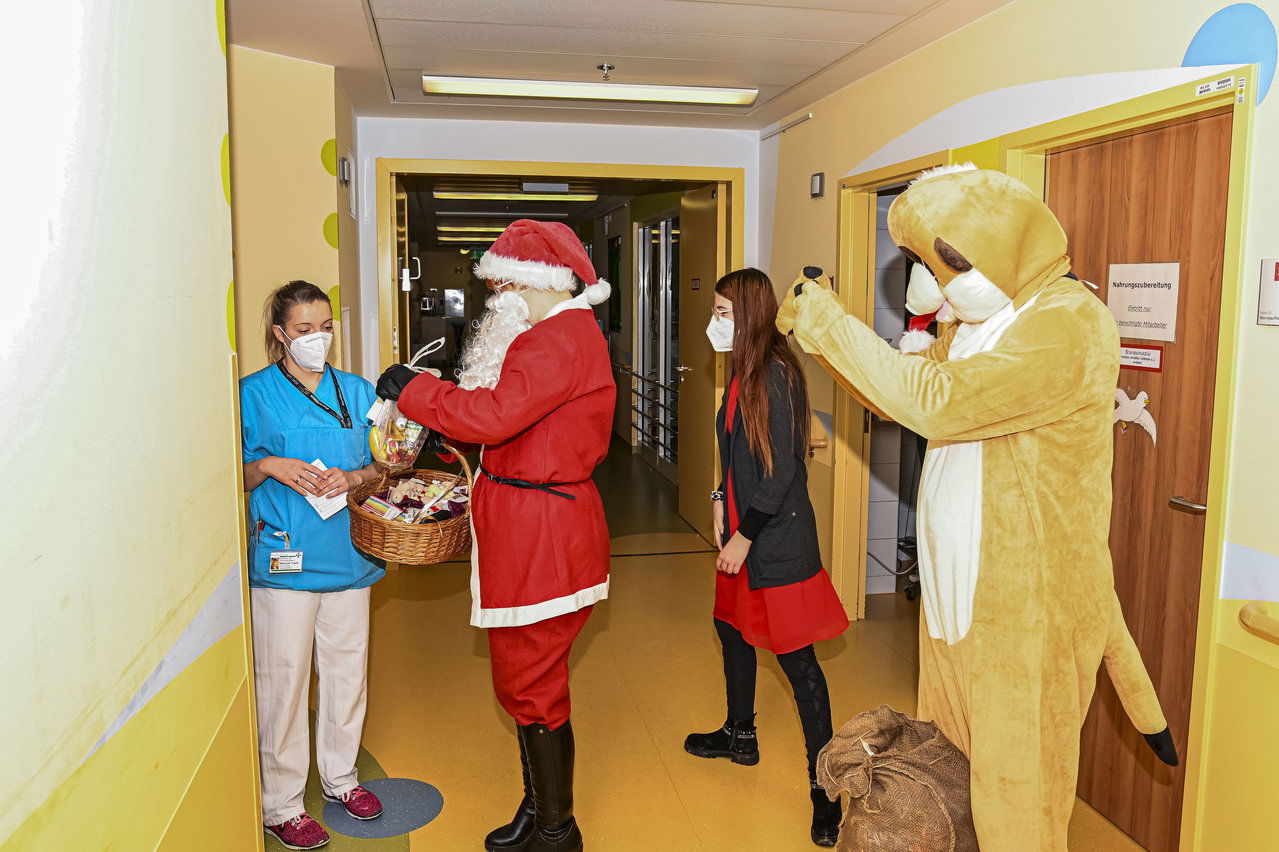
(412, 516)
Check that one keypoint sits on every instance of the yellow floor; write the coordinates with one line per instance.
(645, 673)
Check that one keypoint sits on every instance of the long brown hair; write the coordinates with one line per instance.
(279, 304)
(756, 344)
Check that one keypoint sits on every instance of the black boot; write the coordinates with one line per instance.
(550, 763)
(515, 833)
(736, 741)
(826, 816)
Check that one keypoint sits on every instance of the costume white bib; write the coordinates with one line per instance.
(950, 493)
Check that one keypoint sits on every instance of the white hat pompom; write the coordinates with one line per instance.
(598, 292)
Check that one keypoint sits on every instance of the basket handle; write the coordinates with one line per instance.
(470, 477)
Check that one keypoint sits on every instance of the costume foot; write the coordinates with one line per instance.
(826, 817)
(515, 834)
(736, 740)
(1163, 746)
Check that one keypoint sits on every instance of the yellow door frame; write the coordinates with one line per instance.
(730, 180)
(855, 285)
(1024, 155)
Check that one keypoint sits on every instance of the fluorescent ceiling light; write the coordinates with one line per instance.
(597, 91)
(497, 214)
(444, 238)
(469, 229)
(513, 196)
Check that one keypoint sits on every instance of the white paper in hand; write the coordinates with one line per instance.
(326, 507)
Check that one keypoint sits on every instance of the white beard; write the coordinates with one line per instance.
(483, 354)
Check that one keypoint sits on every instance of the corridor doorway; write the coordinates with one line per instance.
(435, 218)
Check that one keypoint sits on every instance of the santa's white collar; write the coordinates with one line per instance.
(578, 302)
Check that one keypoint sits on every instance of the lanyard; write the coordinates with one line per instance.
(344, 418)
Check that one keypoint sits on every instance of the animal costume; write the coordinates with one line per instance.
(1016, 401)
(541, 552)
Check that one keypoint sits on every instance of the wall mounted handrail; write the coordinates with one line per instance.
(1257, 619)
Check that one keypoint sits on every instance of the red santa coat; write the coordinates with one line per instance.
(549, 419)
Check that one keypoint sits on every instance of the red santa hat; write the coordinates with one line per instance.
(541, 256)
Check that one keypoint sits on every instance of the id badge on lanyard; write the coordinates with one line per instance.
(287, 561)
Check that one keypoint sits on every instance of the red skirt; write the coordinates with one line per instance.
(780, 619)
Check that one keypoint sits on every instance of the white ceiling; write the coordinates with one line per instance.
(793, 51)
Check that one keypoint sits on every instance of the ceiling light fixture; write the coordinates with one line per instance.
(476, 239)
(497, 214)
(469, 229)
(584, 91)
(513, 196)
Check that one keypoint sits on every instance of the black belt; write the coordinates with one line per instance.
(548, 487)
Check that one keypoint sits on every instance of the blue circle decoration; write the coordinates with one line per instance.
(1237, 35)
(406, 805)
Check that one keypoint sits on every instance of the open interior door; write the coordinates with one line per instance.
(703, 258)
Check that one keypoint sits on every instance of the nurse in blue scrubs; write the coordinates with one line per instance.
(305, 436)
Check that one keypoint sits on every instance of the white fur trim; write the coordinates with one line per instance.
(923, 295)
(944, 170)
(598, 292)
(527, 273)
(914, 341)
(518, 616)
(975, 297)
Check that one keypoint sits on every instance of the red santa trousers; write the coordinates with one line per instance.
(530, 668)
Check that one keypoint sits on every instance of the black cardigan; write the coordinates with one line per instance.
(784, 550)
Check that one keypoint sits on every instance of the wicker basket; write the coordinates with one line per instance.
(410, 544)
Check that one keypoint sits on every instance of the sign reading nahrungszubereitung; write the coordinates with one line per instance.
(1143, 298)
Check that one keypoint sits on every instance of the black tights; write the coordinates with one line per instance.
(806, 680)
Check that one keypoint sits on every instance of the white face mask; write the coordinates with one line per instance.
(720, 332)
(310, 351)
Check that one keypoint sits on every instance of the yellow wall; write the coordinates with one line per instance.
(287, 222)
(1032, 40)
(122, 624)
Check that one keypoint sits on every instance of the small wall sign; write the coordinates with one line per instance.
(1268, 297)
(1143, 298)
(1148, 358)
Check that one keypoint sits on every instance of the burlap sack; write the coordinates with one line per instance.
(907, 785)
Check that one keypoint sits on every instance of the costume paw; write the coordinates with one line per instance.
(1163, 747)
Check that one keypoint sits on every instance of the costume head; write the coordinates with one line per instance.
(980, 240)
(528, 255)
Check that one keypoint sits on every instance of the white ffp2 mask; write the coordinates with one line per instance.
(310, 351)
(720, 332)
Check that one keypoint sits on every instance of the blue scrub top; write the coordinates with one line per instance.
(278, 420)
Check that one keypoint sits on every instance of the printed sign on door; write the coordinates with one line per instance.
(1143, 298)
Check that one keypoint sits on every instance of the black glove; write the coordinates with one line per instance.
(434, 443)
(394, 380)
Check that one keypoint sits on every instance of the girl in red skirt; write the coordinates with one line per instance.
(771, 591)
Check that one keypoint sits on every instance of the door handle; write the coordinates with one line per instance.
(1256, 619)
(682, 369)
(1186, 506)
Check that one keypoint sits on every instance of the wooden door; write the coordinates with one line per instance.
(703, 253)
(1157, 196)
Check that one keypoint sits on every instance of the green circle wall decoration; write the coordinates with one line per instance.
(230, 314)
(329, 156)
(335, 299)
(331, 229)
(226, 166)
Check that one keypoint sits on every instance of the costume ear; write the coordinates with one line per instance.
(951, 256)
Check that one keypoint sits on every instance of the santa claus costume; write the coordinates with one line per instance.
(538, 397)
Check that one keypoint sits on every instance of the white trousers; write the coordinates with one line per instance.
(287, 625)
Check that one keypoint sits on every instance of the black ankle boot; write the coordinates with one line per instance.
(826, 817)
(515, 833)
(550, 762)
(736, 741)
